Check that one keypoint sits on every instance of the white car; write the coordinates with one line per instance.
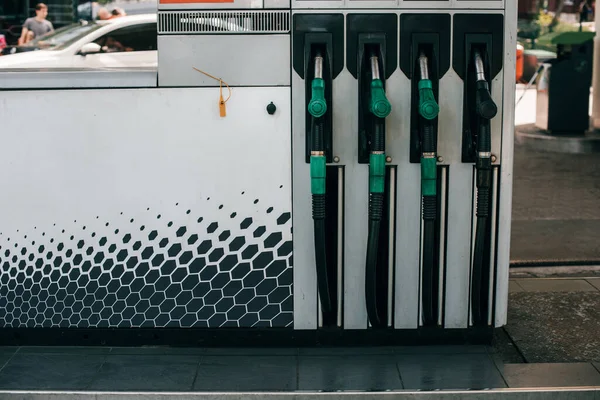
(129, 41)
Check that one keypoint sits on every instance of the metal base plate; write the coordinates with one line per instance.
(574, 393)
(235, 337)
(429, 372)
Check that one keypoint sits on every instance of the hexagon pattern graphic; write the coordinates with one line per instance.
(217, 270)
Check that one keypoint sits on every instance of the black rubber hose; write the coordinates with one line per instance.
(484, 178)
(318, 203)
(378, 143)
(319, 214)
(375, 216)
(429, 215)
(428, 137)
(429, 227)
(484, 138)
(478, 265)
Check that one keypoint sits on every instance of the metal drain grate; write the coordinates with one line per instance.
(223, 22)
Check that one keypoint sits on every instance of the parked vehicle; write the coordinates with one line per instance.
(129, 41)
(44, 41)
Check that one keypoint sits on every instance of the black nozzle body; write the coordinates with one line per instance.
(485, 106)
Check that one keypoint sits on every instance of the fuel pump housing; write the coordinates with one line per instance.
(292, 172)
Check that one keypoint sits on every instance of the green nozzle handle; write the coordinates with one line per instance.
(428, 108)
(318, 167)
(317, 107)
(428, 176)
(377, 173)
(380, 106)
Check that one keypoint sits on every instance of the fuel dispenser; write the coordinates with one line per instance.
(317, 59)
(355, 181)
(371, 59)
(425, 62)
(445, 271)
(317, 108)
(481, 109)
(428, 110)
(478, 58)
(374, 109)
(371, 56)
(357, 90)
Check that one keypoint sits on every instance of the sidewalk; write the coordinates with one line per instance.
(555, 320)
(556, 218)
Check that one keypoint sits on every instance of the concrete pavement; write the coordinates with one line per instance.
(556, 218)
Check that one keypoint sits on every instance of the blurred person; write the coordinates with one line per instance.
(118, 12)
(103, 14)
(111, 45)
(36, 26)
(585, 9)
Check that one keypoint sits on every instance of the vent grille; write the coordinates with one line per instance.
(224, 22)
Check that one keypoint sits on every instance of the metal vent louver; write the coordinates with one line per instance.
(224, 22)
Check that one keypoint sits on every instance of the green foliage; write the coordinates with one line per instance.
(528, 29)
(544, 19)
(539, 32)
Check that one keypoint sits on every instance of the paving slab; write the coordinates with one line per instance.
(247, 373)
(50, 371)
(551, 375)
(555, 327)
(556, 186)
(503, 350)
(556, 285)
(555, 206)
(555, 241)
(328, 373)
(513, 286)
(157, 350)
(146, 372)
(326, 351)
(64, 350)
(594, 282)
(452, 371)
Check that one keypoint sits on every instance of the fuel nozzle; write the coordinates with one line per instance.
(381, 108)
(379, 105)
(428, 108)
(317, 107)
(486, 109)
(484, 105)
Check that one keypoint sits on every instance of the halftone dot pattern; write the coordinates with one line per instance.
(217, 268)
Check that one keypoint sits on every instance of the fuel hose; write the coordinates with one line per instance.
(428, 111)
(380, 107)
(317, 107)
(485, 110)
